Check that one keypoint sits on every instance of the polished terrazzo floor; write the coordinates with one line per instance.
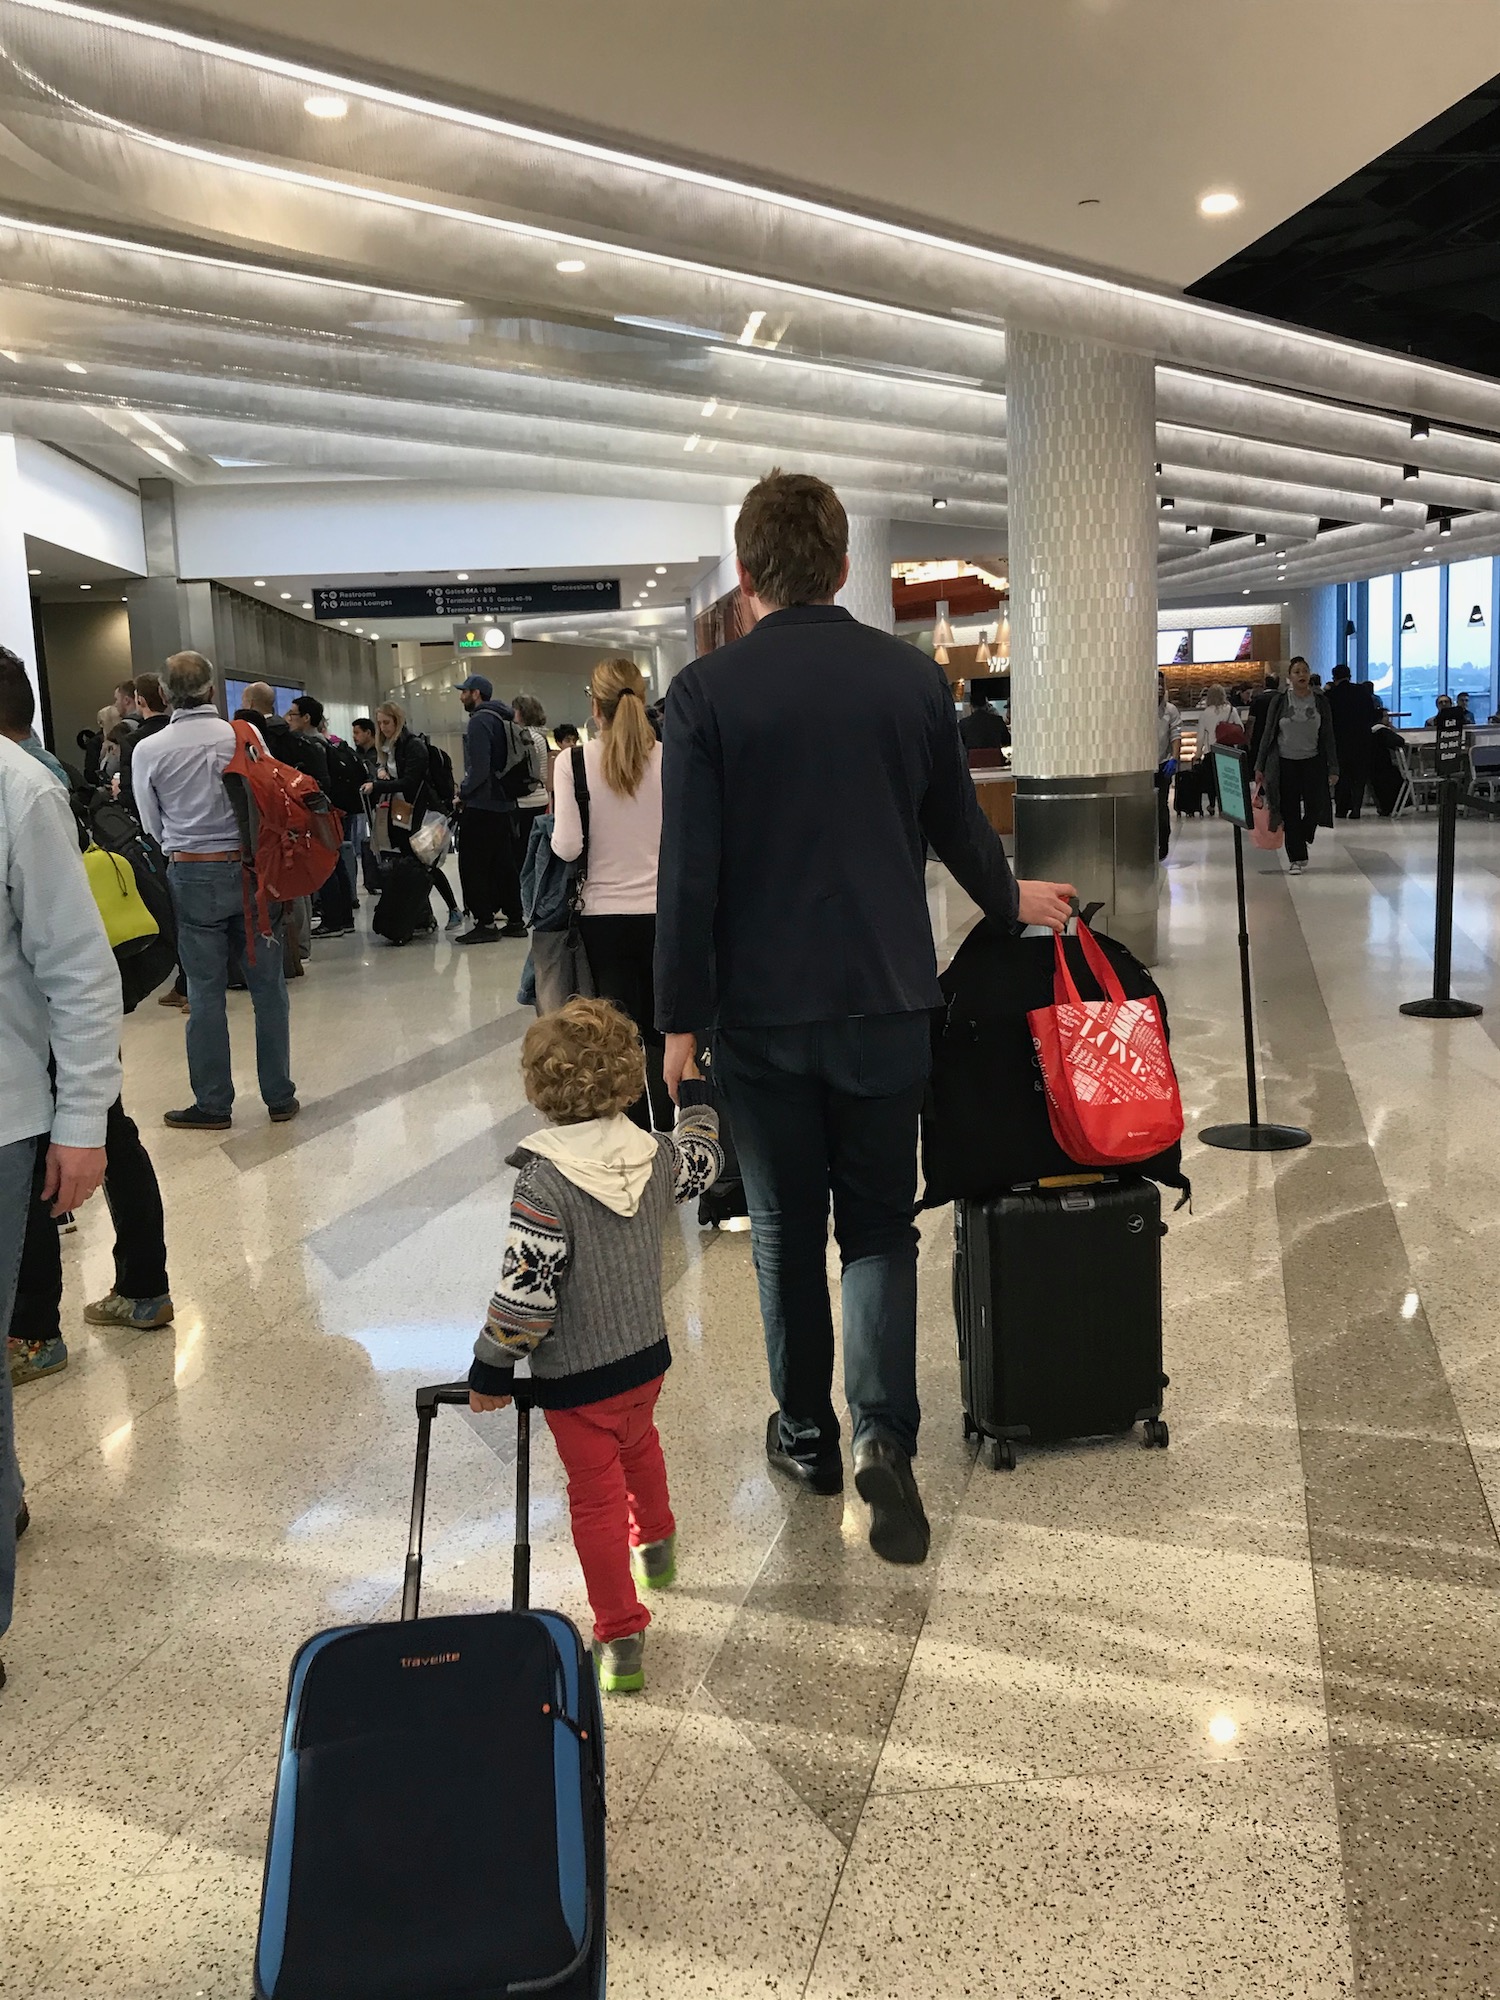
(1221, 1721)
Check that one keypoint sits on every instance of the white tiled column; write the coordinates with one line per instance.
(15, 585)
(868, 592)
(1081, 424)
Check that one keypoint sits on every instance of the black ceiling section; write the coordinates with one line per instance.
(1405, 254)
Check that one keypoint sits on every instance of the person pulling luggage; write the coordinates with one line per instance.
(580, 1298)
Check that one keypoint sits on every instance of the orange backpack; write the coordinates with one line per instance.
(291, 830)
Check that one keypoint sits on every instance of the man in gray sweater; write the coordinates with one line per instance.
(59, 996)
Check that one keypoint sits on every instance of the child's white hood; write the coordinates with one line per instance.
(609, 1158)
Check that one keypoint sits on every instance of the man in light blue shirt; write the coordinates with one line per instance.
(59, 997)
(184, 804)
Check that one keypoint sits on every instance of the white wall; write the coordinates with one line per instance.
(65, 503)
(388, 526)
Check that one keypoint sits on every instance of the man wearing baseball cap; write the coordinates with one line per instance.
(488, 818)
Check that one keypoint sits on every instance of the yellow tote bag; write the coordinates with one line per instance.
(121, 904)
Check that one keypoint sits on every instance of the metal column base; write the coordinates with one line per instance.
(1099, 833)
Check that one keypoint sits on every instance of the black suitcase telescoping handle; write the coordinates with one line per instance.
(428, 1402)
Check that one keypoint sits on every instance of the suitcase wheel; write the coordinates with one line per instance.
(969, 1427)
(1157, 1433)
(999, 1454)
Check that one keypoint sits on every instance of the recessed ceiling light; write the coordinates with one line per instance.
(344, 622)
(307, 606)
(359, 631)
(1386, 503)
(571, 266)
(260, 583)
(323, 104)
(75, 368)
(650, 583)
(1167, 504)
(1420, 427)
(1279, 554)
(462, 575)
(1416, 562)
(1410, 471)
(661, 569)
(374, 635)
(33, 572)
(85, 586)
(1445, 526)
(1244, 593)
(939, 502)
(1220, 202)
(286, 595)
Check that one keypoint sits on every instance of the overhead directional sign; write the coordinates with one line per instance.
(564, 596)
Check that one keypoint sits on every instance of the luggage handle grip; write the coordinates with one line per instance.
(429, 1401)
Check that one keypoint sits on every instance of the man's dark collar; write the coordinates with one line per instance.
(807, 614)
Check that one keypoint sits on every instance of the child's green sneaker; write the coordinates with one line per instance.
(654, 1564)
(621, 1664)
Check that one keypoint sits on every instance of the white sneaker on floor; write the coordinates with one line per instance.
(1297, 868)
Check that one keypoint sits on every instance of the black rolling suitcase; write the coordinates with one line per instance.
(1057, 1292)
(438, 1829)
(405, 905)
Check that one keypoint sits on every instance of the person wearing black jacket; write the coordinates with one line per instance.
(151, 703)
(1351, 703)
(983, 728)
(792, 918)
(488, 870)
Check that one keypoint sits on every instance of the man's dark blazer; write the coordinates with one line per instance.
(804, 769)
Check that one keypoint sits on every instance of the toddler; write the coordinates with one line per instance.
(580, 1297)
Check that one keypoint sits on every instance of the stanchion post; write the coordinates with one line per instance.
(1254, 1137)
(1442, 1006)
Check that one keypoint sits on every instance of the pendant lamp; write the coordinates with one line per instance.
(942, 634)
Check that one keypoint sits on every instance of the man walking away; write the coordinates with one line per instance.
(1352, 706)
(813, 917)
(59, 999)
(487, 868)
(185, 806)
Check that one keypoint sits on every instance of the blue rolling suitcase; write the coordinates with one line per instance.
(438, 1827)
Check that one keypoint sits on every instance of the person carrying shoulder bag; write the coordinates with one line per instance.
(617, 920)
(1297, 763)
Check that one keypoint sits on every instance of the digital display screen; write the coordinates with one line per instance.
(1215, 643)
(1171, 648)
(1234, 786)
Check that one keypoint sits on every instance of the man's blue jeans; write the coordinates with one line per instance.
(210, 899)
(17, 1162)
(829, 1110)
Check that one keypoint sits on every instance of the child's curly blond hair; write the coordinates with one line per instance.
(585, 1061)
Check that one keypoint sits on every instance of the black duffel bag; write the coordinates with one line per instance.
(985, 1127)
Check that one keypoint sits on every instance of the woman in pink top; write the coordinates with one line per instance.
(623, 768)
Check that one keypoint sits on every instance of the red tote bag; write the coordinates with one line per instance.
(1112, 1092)
(1261, 835)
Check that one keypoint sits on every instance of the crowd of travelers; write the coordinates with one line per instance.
(792, 947)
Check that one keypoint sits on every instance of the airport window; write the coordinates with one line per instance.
(1380, 620)
(1471, 633)
(1421, 626)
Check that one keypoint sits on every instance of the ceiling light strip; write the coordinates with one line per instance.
(155, 250)
(1158, 300)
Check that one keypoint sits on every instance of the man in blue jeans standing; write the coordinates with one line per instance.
(59, 996)
(185, 806)
(806, 766)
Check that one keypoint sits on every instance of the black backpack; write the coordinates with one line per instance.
(145, 962)
(440, 779)
(346, 774)
(515, 775)
(985, 1127)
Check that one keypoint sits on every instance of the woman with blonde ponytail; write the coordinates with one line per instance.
(622, 770)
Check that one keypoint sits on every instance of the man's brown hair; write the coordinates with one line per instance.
(150, 693)
(792, 536)
(584, 1061)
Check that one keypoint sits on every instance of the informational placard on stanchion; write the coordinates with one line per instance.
(1233, 771)
(1442, 1006)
